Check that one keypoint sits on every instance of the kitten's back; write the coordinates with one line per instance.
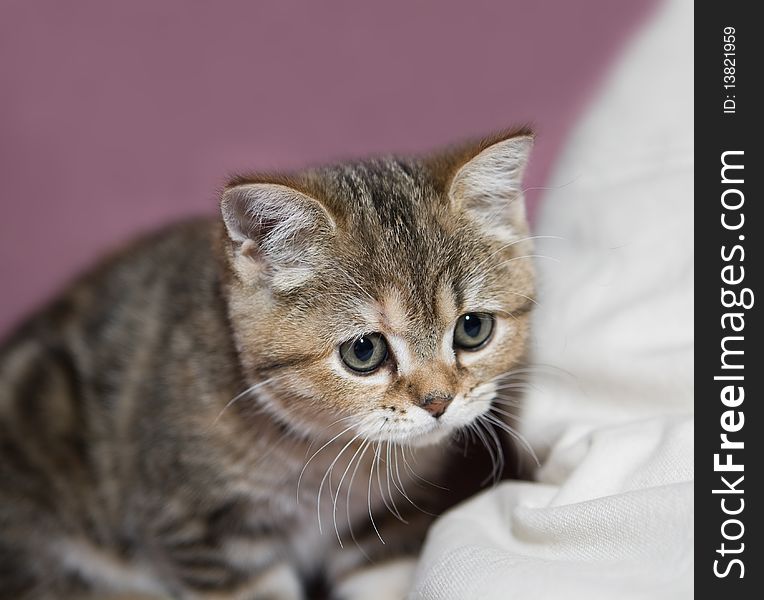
(70, 379)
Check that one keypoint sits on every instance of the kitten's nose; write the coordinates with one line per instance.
(436, 403)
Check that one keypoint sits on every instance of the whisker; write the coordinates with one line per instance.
(499, 453)
(507, 414)
(468, 441)
(533, 369)
(395, 483)
(515, 434)
(299, 479)
(366, 444)
(328, 427)
(514, 258)
(354, 282)
(379, 481)
(553, 187)
(481, 436)
(514, 390)
(328, 474)
(416, 475)
(524, 296)
(545, 369)
(248, 391)
(339, 487)
(482, 264)
(401, 488)
(518, 381)
(517, 385)
(397, 513)
(513, 402)
(368, 501)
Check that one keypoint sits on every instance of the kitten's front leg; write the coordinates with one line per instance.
(277, 582)
(389, 580)
(280, 582)
(367, 569)
(240, 567)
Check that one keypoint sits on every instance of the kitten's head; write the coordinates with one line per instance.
(388, 295)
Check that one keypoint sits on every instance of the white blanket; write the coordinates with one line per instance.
(611, 514)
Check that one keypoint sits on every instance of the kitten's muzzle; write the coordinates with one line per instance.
(436, 403)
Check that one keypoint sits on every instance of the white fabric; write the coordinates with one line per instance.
(611, 515)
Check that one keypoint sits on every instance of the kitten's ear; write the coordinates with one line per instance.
(275, 229)
(488, 184)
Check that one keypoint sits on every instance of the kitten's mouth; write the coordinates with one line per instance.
(412, 433)
(420, 428)
(438, 434)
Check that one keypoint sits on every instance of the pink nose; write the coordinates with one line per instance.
(436, 403)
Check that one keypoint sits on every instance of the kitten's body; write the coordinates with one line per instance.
(130, 459)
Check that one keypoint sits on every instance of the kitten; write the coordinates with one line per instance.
(234, 408)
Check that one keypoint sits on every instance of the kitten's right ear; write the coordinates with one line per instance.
(486, 183)
(275, 229)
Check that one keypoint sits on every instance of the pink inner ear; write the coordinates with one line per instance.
(108, 135)
(256, 229)
(496, 172)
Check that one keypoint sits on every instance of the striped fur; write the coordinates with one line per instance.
(178, 424)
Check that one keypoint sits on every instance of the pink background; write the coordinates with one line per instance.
(116, 117)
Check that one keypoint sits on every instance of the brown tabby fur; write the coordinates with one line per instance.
(131, 463)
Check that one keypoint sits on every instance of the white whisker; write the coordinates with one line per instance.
(515, 434)
(395, 512)
(481, 436)
(339, 487)
(413, 473)
(248, 391)
(299, 479)
(499, 451)
(368, 501)
(480, 267)
(328, 474)
(402, 489)
(366, 444)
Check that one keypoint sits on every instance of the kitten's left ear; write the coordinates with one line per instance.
(487, 185)
(275, 230)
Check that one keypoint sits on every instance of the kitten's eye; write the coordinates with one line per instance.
(473, 330)
(364, 354)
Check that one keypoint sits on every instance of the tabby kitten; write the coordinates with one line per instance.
(237, 408)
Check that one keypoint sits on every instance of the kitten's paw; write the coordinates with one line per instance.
(279, 583)
(390, 580)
